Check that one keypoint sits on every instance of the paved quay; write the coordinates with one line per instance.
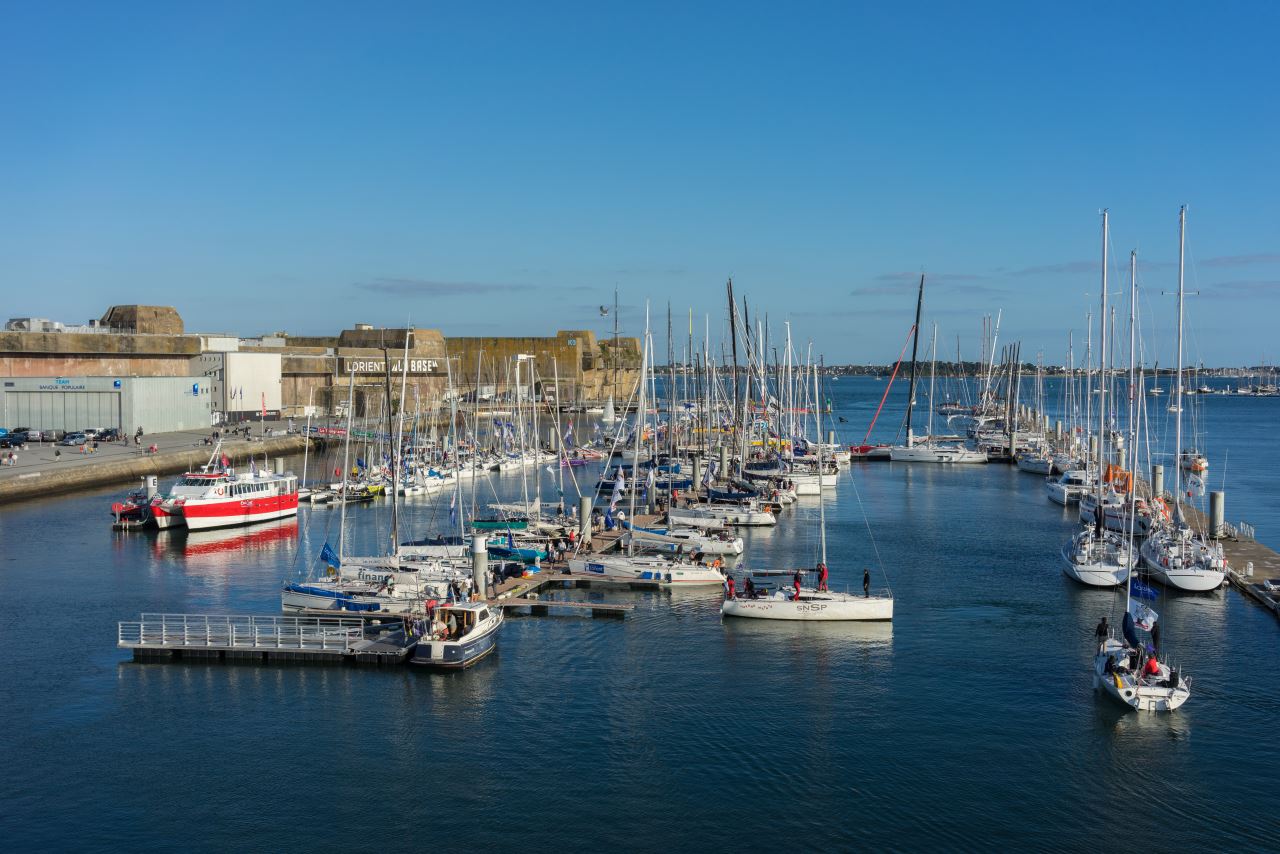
(47, 468)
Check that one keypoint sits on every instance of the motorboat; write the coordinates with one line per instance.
(1193, 461)
(1068, 487)
(474, 634)
(716, 516)
(1116, 514)
(643, 568)
(685, 540)
(219, 497)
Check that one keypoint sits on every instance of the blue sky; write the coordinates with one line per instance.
(493, 169)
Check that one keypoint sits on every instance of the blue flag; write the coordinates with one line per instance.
(329, 556)
(360, 462)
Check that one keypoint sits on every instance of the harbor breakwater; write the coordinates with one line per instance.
(57, 478)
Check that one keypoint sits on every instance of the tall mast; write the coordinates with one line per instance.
(1133, 413)
(346, 461)
(822, 511)
(399, 439)
(915, 347)
(1102, 378)
(933, 370)
(640, 419)
(1177, 386)
(453, 424)
(391, 438)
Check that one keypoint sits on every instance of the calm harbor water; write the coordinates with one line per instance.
(970, 722)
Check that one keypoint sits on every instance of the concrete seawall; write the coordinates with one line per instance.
(56, 478)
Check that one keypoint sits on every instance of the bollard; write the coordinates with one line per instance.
(1217, 516)
(480, 564)
(279, 462)
(1157, 481)
(584, 519)
(1248, 570)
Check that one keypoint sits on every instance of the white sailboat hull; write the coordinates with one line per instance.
(812, 607)
(1133, 692)
(1180, 570)
(715, 517)
(934, 454)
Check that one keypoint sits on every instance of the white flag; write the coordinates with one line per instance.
(1143, 617)
(619, 483)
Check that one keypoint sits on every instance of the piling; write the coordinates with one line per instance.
(479, 563)
(831, 437)
(695, 464)
(1093, 447)
(1157, 481)
(584, 519)
(1057, 430)
(1217, 512)
(279, 463)
(724, 460)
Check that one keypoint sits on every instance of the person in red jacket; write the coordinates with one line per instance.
(799, 577)
(729, 594)
(1151, 668)
(822, 575)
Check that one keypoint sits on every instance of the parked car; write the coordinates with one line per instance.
(74, 439)
(111, 434)
(92, 432)
(13, 440)
(34, 436)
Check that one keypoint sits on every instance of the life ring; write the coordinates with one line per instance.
(220, 491)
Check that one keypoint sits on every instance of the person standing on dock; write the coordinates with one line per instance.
(822, 575)
(866, 582)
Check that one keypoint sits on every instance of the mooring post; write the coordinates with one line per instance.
(480, 564)
(1217, 512)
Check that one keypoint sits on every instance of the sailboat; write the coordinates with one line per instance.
(1131, 672)
(810, 604)
(1122, 670)
(1096, 556)
(928, 451)
(1175, 554)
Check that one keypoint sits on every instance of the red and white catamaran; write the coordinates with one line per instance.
(218, 497)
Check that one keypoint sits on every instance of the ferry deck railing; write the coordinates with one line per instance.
(174, 631)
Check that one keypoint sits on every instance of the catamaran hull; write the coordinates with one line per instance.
(225, 514)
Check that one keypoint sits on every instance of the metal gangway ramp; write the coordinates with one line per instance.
(245, 637)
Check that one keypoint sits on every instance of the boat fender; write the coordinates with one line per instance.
(1119, 684)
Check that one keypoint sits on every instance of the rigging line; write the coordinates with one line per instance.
(867, 522)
